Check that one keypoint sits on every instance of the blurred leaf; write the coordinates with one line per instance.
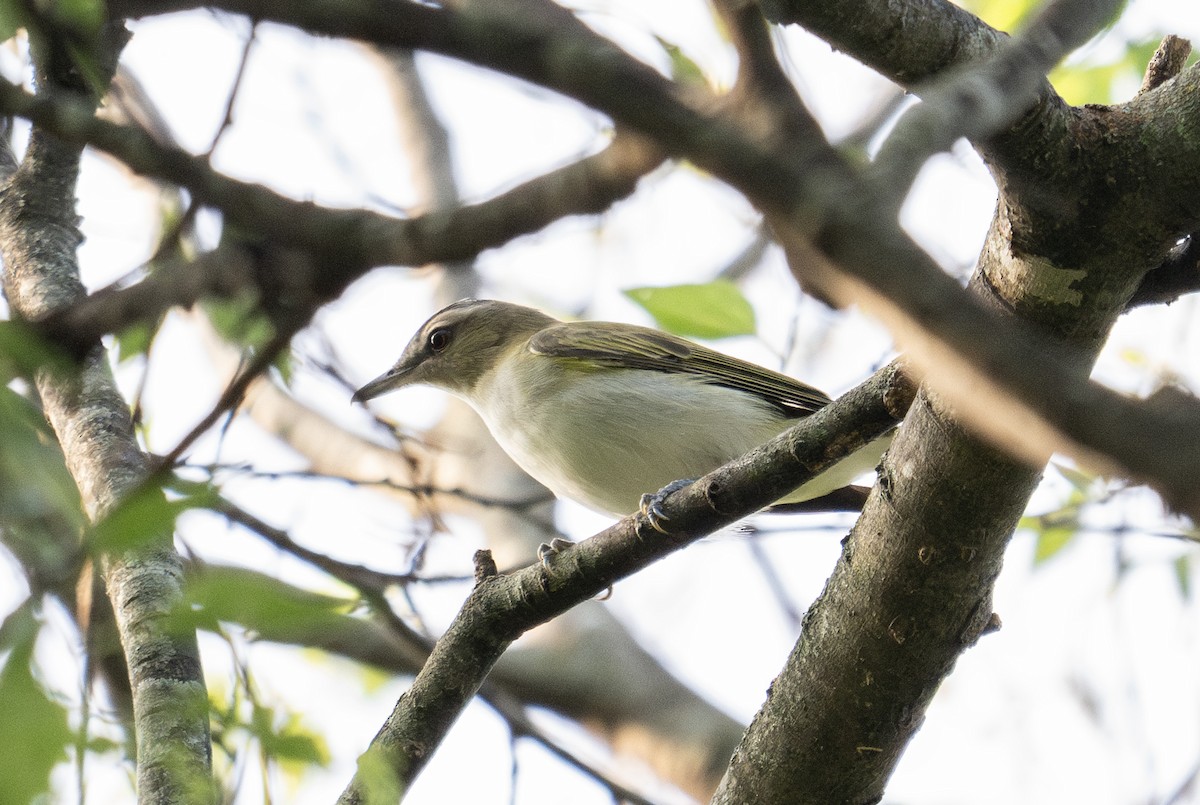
(283, 365)
(1010, 15)
(135, 340)
(1054, 529)
(82, 18)
(378, 782)
(33, 729)
(290, 742)
(1052, 540)
(1135, 357)
(88, 64)
(35, 488)
(712, 310)
(101, 745)
(239, 320)
(683, 69)
(12, 18)
(1077, 83)
(23, 352)
(207, 495)
(1099, 83)
(1086, 84)
(260, 603)
(1183, 575)
(222, 715)
(1004, 15)
(373, 679)
(143, 516)
(18, 628)
(72, 25)
(1079, 479)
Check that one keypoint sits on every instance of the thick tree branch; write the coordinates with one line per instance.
(345, 243)
(949, 332)
(1178, 275)
(914, 43)
(501, 608)
(38, 239)
(990, 97)
(302, 618)
(1033, 396)
(578, 662)
(220, 274)
(907, 42)
(582, 666)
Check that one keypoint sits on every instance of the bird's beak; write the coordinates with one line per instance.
(393, 378)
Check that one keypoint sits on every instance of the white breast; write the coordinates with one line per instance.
(603, 437)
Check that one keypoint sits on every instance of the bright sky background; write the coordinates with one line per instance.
(1089, 692)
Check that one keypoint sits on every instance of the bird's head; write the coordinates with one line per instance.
(458, 345)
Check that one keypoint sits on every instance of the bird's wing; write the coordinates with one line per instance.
(631, 347)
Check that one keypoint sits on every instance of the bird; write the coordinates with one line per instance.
(605, 413)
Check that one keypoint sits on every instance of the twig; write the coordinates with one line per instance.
(233, 394)
(1166, 63)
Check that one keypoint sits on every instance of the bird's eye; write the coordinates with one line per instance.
(439, 339)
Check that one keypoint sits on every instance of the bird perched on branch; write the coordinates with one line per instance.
(603, 413)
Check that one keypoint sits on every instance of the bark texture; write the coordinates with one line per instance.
(38, 239)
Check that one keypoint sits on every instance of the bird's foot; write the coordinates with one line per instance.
(651, 505)
(548, 550)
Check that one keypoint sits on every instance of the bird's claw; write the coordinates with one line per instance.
(651, 505)
(548, 550)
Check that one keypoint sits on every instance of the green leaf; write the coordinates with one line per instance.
(1052, 540)
(34, 732)
(683, 68)
(1183, 575)
(712, 310)
(1077, 83)
(290, 741)
(82, 18)
(12, 18)
(135, 340)
(378, 781)
(1097, 83)
(1004, 15)
(1010, 15)
(37, 494)
(100, 745)
(260, 604)
(23, 352)
(283, 365)
(144, 516)
(1079, 479)
(239, 320)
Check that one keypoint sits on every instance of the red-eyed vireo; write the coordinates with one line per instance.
(601, 412)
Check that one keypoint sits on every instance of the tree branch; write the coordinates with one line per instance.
(1178, 275)
(38, 239)
(220, 274)
(500, 608)
(346, 243)
(907, 42)
(990, 97)
(318, 622)
(949, 332)
(1033, 395)
(1166, 63)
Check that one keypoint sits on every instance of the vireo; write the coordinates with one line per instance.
(602, 413)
